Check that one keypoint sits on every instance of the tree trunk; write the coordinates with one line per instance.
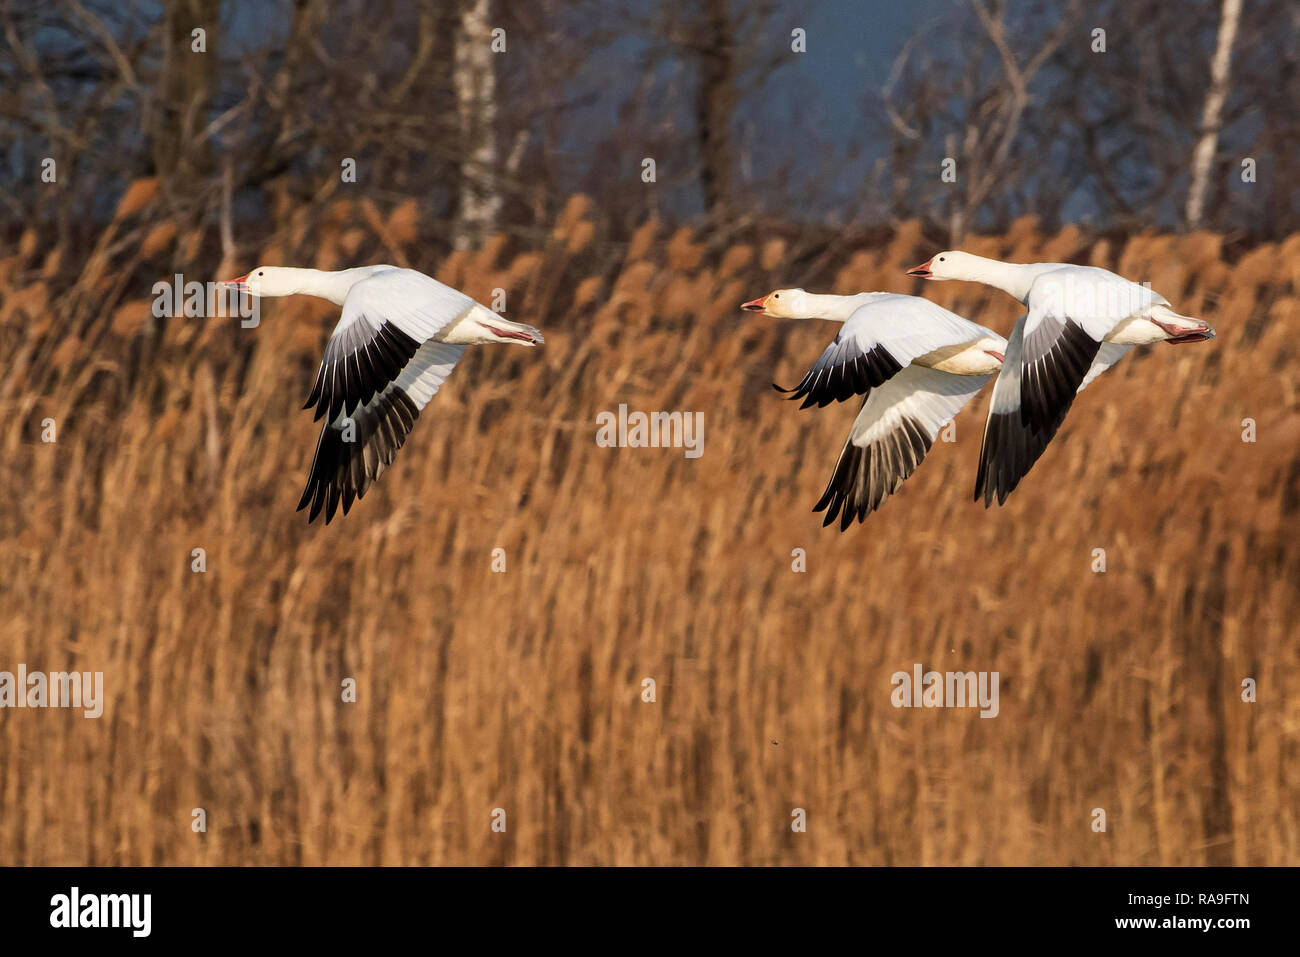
(1212, 119)
(715, 103)
(185, 90)
(474, 79)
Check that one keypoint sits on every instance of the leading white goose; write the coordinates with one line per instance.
(1081, 321)
(918, 365)
(398, 338)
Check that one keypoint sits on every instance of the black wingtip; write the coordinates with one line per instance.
(341, 472)
(1049, 384)
(838, 376)
(866, 476)
(1008, 453)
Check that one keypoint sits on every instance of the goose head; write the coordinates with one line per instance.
(780, 304)
(267, 281)
(949, 264)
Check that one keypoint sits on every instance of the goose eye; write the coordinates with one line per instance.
(940, 259)
(259, 272)
(777, 296)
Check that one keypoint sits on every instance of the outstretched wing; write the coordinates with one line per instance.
(890, 437)
(385, 320)
(353, 450)
(1071, 310)
(1011, 447)
(878, 341)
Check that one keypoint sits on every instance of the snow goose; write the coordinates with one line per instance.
(398, 338)
(1081, 320)
(917, 364)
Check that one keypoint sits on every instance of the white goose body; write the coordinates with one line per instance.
(917, 365)
(398, 338)
(1081, 320)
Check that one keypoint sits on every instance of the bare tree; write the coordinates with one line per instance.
(180, 155)
(989, 135)
(474, 77)
(1212, 120)
(971, 97)
(1098, 125)
(1038, 124)
(715, 55)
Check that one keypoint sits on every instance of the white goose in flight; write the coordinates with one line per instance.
(1081, 321)
(917, 364)
(399, 337)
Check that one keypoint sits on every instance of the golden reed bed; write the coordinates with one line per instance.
(522, 690)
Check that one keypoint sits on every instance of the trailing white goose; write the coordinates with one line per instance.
(917, 364)
(1081, 320)
(398, 338)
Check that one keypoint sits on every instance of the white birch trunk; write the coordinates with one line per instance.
(475, 82)
(1212, 119)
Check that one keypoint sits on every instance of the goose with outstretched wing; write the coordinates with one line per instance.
(916, 363)
(398, 338)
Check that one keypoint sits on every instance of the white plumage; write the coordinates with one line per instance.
(1081, 320)
(399, 336)
(917, 364)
